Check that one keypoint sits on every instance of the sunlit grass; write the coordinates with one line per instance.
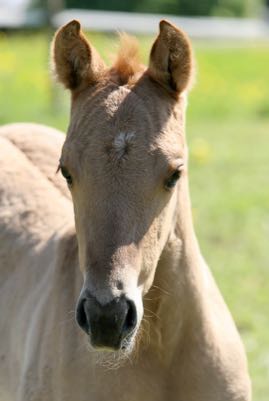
(230, 196)
(228, 131)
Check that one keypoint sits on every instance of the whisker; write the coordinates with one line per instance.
(153, 313)
(160, 289)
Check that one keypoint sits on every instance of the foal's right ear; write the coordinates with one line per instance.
(76, 63)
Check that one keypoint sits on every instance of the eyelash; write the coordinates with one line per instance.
(173, 179)
(65, 173)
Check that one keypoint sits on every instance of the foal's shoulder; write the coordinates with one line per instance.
(41, 145)
(32, 207)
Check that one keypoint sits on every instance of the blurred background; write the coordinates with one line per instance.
(227, 125)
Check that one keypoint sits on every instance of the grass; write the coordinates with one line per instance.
(228, 131)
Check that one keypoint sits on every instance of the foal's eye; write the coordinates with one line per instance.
(172, 180)
(66, 175)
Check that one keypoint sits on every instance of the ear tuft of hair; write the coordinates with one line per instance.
(127, 63)
(73, 28)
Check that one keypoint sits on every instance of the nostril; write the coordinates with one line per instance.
(131, 318)
(81, 316)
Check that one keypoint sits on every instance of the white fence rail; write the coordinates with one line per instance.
(12, 16)
(200, 27)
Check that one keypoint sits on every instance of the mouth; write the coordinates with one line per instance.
(111, 358)
(108, 345)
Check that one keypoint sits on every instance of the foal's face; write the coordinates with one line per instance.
(123, 159)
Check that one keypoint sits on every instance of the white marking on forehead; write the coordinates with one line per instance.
(122, 141)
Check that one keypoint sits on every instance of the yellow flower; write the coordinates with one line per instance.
(200, 151)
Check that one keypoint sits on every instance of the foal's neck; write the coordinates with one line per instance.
(181, 276)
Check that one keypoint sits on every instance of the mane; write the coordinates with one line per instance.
(127, 63)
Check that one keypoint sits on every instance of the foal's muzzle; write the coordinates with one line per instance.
(110, 325)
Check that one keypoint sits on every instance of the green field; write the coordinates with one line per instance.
(228, 131)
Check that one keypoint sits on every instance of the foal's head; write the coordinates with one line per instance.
(123, 159)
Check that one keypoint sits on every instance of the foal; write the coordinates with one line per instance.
(125, 161)
(148, 300)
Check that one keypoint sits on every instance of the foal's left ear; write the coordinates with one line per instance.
(171, 59)
(76, 63)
